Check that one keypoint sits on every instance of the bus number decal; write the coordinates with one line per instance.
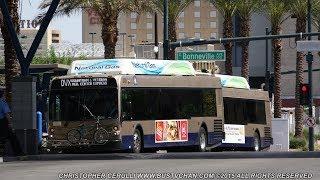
(171, 130)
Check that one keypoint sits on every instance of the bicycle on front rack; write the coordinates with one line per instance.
(78, 135)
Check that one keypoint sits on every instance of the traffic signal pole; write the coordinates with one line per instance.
(309, 60)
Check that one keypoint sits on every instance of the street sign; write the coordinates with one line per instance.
(310, 122)
(218, 55)
(305, 46)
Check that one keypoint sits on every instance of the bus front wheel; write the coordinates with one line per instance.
(137, 142)
(203, 140)
(256, 142)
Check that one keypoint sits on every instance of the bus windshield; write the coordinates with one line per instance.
(83, 104)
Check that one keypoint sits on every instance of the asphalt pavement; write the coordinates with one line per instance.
(173, 165)
(261, 168)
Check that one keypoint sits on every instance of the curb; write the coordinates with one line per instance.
(127, 156)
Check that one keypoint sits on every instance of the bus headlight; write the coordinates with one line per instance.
(115, 128)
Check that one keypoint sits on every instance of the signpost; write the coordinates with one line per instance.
(218, 55)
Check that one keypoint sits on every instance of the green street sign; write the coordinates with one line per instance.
(201, 55)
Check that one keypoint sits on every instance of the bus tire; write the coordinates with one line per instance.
(203, 140)
(256, 142)
(137, 142)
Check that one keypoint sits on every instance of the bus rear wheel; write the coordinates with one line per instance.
(137, 142)
(203, 140)
(256, 142)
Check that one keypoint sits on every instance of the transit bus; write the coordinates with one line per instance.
(247, 116)
(133, 105)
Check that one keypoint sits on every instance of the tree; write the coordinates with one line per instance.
(276, 11)
(316, 16)
(227, 8)
(244, 10)
(298, 9)
(108, 12)
(175, 8)
(12, 67)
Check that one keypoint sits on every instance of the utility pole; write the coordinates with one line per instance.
(165, 31)
(309, 60)
(92, 34)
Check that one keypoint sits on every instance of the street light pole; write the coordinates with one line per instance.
(156, 43)
(123, 34)
(92, 34)
(309, 60)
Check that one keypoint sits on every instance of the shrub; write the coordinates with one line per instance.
(298, 143)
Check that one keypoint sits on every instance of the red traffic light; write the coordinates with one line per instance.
(304, 88)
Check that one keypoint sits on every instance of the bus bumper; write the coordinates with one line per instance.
(66, 145)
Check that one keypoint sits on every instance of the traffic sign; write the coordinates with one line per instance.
(304, 46)
(310, 122)
(217, 55)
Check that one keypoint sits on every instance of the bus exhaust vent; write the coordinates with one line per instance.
(267, 133)
(218, 125)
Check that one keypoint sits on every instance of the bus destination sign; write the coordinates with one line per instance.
(84, 82)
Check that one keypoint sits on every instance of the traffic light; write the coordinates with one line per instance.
(304, 94)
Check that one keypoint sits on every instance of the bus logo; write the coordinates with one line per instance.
(171, 131)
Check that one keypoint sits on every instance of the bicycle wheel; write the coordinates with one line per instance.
(74, 136)
(101, 136)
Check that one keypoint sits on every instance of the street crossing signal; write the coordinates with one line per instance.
(304, 94)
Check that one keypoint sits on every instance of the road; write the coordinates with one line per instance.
(277, 168)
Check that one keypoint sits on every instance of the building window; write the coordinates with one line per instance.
(181, 25)
(149, 36)
(213, 25)
(197, 3)
(197, 35)
(55, 41)
(133, 25)
(149, 25)
(133, 15)
(197, 14)
(181, 15)
(197, 25)
(213, 35)
(213, 13)
(149, 15)
(181, 35)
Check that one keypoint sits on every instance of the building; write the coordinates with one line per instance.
(199, 20)
(27, 36)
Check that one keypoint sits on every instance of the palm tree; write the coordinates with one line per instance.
(276, 11)
(12, 67)
(298, 9)
(316, 16)
(244, 10)
(227, 8)
(175, 8)
(108, 12)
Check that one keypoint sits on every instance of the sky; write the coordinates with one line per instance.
(70, 27)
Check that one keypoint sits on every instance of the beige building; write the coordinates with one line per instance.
(27, 36)
(199, 20)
